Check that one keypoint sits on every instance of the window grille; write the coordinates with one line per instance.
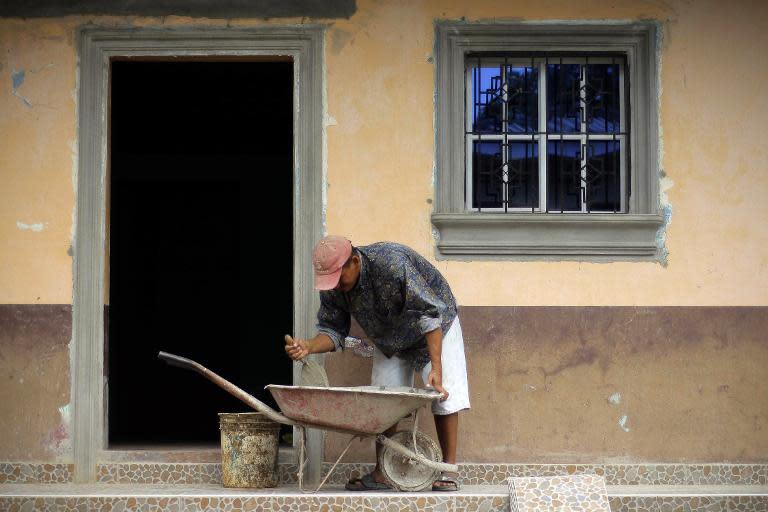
(547, 133)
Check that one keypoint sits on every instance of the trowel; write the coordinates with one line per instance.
(312, 374)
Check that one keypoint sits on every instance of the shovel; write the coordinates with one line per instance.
(312, 374)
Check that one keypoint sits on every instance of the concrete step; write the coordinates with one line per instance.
(485, 498)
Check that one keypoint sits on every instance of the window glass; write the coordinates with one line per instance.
(487, 99)
(523, 99)
(602, 98)
(523, 174)
(487, 176)
(602, 176)
(563, 175)
(563, 98)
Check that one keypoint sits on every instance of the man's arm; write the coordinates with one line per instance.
(435, 348)
(299, 349)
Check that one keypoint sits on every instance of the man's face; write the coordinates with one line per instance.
(349, 274)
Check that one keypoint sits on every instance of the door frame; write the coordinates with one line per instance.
(96, 48)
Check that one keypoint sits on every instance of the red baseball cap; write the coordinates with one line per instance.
(328, 256)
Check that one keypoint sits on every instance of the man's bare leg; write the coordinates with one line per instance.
(377, 474)
(447, 427)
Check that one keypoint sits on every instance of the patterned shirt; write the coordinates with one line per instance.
(398, 298)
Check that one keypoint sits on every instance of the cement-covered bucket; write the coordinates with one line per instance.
(249, 445)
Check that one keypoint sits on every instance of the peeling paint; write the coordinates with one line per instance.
(59, 440)
(665, 184)
(17, 80)
(661, 235)
(615, 399)
(37, 227)
(324, 185)
(64, 410)
(330, 120)
(339, 39)
(623, 423)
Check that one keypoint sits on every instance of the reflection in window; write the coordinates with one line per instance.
(563, 98)
(564, 175)
(602, 178)
(523, 175)
(487, 178)
(523, 92)
(602, 98)
(579, 120)
(488, 103)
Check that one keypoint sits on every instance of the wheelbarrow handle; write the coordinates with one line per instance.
(183, 362)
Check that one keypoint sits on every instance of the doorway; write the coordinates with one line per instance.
(201, 229)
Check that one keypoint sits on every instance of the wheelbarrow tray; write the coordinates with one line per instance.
(363, 409)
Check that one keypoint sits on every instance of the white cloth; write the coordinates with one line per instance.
(397, 372)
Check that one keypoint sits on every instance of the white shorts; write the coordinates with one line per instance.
(393, 371)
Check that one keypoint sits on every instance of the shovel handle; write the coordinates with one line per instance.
(183, 362)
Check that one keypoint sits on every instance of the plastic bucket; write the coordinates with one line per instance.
(249, 445)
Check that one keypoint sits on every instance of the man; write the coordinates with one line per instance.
(406, 308)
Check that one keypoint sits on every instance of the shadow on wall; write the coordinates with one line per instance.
(200, 8)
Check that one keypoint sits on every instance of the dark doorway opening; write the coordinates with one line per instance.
(201, 242)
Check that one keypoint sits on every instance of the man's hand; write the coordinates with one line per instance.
(435, 379)
(295, 348)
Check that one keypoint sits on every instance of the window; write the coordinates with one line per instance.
(547, 141)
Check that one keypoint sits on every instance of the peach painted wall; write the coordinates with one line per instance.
(380, 150)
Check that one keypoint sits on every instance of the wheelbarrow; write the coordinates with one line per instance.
(410, 460)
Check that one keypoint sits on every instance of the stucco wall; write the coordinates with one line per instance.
(35, 392)
(603, 385)
(380, 151)
(379, 71)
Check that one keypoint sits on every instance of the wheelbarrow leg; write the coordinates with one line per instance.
(336, 463)
(302, 456)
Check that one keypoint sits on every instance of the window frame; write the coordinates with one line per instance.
(465, 234)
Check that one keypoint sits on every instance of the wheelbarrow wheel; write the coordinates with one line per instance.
(404, 473)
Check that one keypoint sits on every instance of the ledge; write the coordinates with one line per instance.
(526, 236)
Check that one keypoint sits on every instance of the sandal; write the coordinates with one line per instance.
(446, 483)
(366, 483)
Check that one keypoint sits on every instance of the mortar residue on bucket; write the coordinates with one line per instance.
(249, 448)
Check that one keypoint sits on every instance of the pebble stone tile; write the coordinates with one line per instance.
(469, 474)
(572, 493)
(689, 504)
(90, 504)
(182, 473)
(377, 503)
(107, 473)
(21, 473)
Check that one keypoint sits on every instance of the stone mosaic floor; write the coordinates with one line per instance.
(193, 487)
(469, 474)
(181, 498)
(572, 493)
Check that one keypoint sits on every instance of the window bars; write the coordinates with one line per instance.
(573, 108)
